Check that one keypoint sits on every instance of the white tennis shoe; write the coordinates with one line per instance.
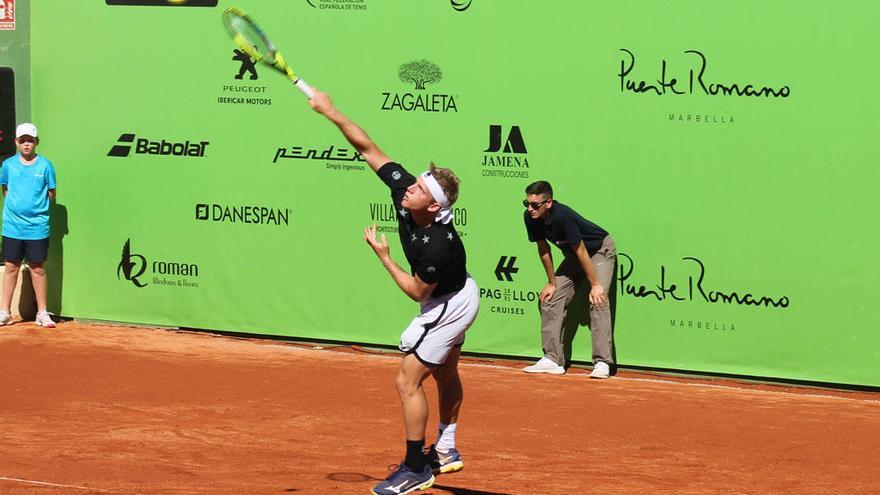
(600, 370)
(545, 365)
(44, 320)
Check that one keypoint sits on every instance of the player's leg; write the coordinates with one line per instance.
(415, 473)
(449, 388)
(446, 343)
(443, 456)
(410, 376)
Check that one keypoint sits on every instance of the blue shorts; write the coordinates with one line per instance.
(35, 251)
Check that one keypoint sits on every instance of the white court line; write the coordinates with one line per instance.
(57, 485)
(755, 390)
(706, 385)
(392, 355)
(46, 483)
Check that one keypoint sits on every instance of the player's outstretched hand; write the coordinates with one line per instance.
(321, 102)
(380, 246)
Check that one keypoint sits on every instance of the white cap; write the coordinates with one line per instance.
(26, 129)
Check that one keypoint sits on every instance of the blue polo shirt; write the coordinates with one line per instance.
(26, 206)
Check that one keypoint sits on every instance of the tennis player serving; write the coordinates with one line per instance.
(448, 296)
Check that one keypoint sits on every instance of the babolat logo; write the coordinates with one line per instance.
(143, 146)
(505, 156)
(133, 267)
(260, 215)
(420, 73)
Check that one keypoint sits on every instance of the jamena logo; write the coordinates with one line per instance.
(163, 147)
(260, 215)
(505, 157)
(513, 144)
(133, 266)
(420, 73)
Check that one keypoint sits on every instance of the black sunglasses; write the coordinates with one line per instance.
(534, 206)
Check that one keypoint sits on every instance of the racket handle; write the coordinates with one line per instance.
(305, 88)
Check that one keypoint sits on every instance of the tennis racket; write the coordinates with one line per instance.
(254, 42)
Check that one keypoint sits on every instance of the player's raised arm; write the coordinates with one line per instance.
(322, 104)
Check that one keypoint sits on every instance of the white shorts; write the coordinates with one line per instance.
(432, 335)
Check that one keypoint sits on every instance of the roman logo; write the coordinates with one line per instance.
(131, 265)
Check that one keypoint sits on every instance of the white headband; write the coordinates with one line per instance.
(444, 216)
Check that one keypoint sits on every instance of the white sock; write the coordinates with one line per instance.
(446, 437)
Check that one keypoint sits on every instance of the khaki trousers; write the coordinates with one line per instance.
(553, 313)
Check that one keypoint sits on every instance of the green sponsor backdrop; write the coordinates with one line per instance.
(15, 58)
(710, 196)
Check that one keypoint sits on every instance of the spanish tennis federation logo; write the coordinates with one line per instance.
(420, 74)
(339, 5)
(460, 5)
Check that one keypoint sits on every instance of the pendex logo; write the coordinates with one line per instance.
(332, 157)
(505, 157)
(133, 267)
(144, 146)
(419, 73)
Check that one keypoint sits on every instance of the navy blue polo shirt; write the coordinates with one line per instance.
(564, 227)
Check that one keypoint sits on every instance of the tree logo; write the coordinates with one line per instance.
(420, 73)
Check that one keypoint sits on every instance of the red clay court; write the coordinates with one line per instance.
(90, 409)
